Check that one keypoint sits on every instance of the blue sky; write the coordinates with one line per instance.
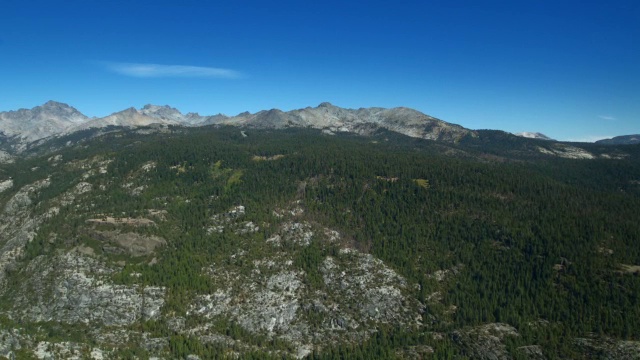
(569, 69)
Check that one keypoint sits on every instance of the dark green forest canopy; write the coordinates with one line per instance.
(533, 237)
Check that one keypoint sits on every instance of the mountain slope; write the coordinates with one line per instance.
(290, 243)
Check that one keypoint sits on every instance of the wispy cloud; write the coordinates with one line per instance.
(170, 71)
(607, 117)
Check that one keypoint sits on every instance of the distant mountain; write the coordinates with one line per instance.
(534, 135)
(363, 121)
(55, 118)
(21, 128)
(171, 114)
(41, 121)
(621, 140)
(129, 118)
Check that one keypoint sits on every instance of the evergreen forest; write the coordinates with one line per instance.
(484, 231)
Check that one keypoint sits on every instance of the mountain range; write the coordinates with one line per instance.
(55, 118)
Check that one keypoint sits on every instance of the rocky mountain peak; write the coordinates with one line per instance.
(41, 121)
(151, 106)
(54, 108)
(54, 104)
(50, 107)
(159, 110)
(130, 110)
(168, 113)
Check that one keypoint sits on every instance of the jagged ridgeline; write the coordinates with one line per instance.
(219, 243)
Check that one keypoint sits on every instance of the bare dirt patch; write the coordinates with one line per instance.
(134, 244)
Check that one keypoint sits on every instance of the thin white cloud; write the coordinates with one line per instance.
(170, 71)
(606, 117)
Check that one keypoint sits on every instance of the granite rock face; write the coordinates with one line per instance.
(277, 299)
(75, 288)
(486, 341)
(18, 226)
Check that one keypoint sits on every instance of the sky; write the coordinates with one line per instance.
(569, 69)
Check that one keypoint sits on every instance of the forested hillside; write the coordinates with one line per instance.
(356, 247)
